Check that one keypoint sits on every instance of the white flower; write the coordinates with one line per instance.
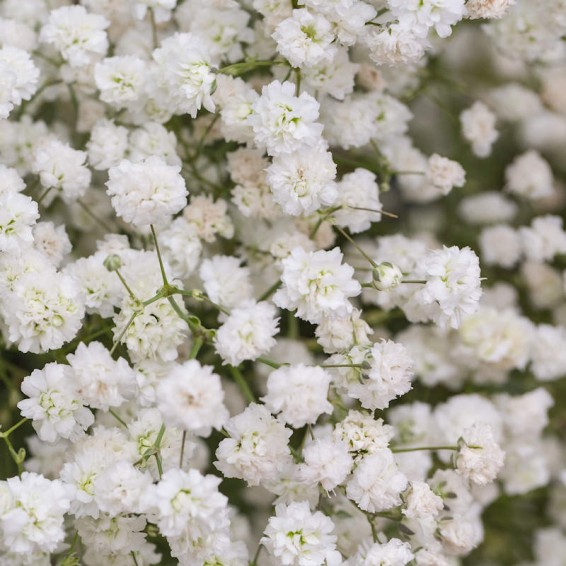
(181, 247)
(389, 376)
(52, 241)
(396, 44)
(548, 352)
(305, 38)
(386, 276)
(489, 207)
(188, 504)
(284, 123)
(18, 213)
(298, 393)
(34, 521)
(153, 139)
(317, 284)
(54, 404)
(297, 537)
(43, 313)
(18, 78)
(498, 336)
(247, 333)
(155, 333)
(101, 381)
(363, 434)
(445, 174)
(377, 483)
(425, 14)
(161, 9)
(338, 334)
(225, 281)
(358, 195)
(500, 245)
(453, 285)
(257, 449)
(107, 145)
(326, 462)
(392, 553)
(120, 80)
(119, 488)
(544, 239)
(487, 8)
(80, 37)
(479, 456)
(478, 128)
(421, 503)
(148, 192)
(303, 181)
(62, 168)
(191, 398)
(209, 218)
(184, 73)
(530, 176)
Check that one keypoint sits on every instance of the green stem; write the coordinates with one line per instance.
(118, 418)
(197, 345)
(43, 195)
(17, 457)
(161, 267)
(13, 428)
(126, 286)
(121, 335)
(415, 449)
(158, 450)
(342, 366)
(242, 384)
(270, 291)
(269, 363)
(153, 28)
(182, 455)
(350, 239)
(94, 216)
(245, 66)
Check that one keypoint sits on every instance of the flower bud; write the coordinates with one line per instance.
(113, 262)
(386, 276)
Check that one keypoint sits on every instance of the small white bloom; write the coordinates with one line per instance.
(303, 182)
(478, 128)
(54, 404)
(148, 192)
(298, 393)
(191, 398)
(317, 284)
(247, 333)
(479, 456)
(297, 537)
(101, 381)
(257, 449)
(284, 123)
(530, 177)
(80, 37)
(377, 483)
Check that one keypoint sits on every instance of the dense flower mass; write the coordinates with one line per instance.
(282, 282)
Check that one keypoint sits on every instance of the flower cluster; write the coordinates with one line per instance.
(282, 282)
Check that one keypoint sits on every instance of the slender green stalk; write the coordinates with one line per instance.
(161, 267)
(351, 240)
(416, 449)
(118, 418)
(119, 339)
(270, 291)
(242, 384)
(94, 216)
(8, 432)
